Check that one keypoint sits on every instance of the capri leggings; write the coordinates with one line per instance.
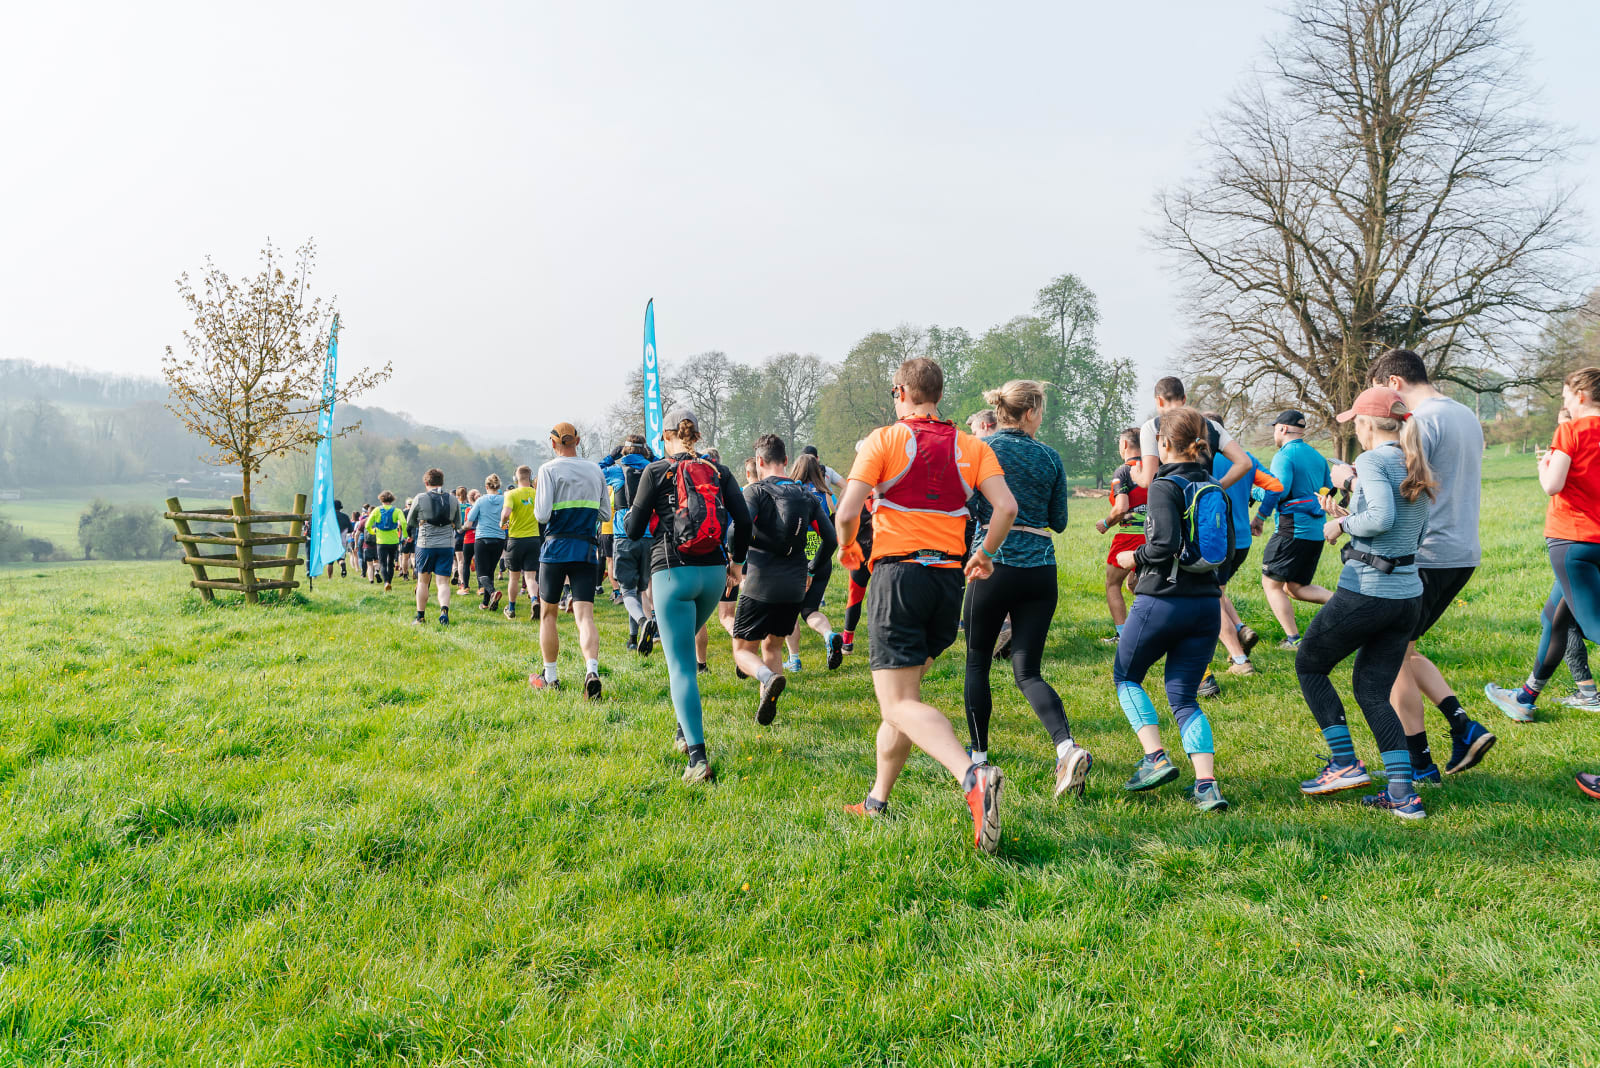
(1028, 594)
(1377, 630)
(685, 598)
(1573, 605)
(486, 558)
(1184, 630)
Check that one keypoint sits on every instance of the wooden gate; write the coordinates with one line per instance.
(241, 538)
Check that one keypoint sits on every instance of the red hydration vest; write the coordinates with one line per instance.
(932, 482)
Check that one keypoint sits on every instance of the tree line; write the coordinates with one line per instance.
(808, 400)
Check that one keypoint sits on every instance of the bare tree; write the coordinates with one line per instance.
(795, 383)
(703, 382)
(1385, 181)
(251, 385)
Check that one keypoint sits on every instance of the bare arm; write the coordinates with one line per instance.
(1554, 466)
(998, 494)
(847, 519)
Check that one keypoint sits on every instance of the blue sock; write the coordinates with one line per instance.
(1397, 766)
(1119, 627)
(1339, 744)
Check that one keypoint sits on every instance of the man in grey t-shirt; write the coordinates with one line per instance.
(435, 516)
(1452, 440)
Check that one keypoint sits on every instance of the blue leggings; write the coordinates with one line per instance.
(685, 598)
(1574, 602)
(1184, 630)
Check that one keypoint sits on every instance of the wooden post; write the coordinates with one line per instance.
(296, 528)
(198, 569)
(247, 573)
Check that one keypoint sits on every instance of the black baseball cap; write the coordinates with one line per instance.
(1291, 417)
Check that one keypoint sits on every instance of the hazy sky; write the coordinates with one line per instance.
(496, 189)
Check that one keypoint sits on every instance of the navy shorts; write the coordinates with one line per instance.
(436, 560)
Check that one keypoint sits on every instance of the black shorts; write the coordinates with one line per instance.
(1231, 567)
(522, 554)
(409, 545)
(606, 545)
(730, 594)
(754, 620)
(1440, 585)
(1291, 559)
(632, 567)
(553, 575)
(461, 541)
(912, 612)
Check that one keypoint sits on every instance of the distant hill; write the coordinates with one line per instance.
(22, 381)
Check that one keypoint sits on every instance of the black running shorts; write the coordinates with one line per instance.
(1440, 586)
(754, 620)
(605, 545)
(522, 554)
(1291, 559)
(812, 602)
(913, 613)
(555, 574)
(632, 566)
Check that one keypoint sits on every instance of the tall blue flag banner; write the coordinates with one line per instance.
(327, 546)
(652, 382)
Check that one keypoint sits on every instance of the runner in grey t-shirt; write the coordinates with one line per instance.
(1452, 440)
(435, 516)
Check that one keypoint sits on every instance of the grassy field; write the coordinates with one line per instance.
(311, 834)
(55, 516)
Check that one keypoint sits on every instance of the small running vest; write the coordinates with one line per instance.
(932, 482)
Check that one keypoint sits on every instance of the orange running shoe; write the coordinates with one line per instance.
(984, 801)
(860, 808)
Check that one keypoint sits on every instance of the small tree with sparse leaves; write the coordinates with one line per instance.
(251, 384)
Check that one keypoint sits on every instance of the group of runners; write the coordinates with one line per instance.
(941, 531)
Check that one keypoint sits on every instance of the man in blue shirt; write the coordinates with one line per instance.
(571, 500)
(1289, 562)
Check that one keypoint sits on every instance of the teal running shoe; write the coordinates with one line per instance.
(1151, 772)
(1510, 702)
(1336, 777)
(1207, 797)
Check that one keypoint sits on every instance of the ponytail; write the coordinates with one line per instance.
(687, 433)
(1419, 478)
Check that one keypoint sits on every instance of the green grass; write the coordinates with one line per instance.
(307, 833)
(54, 514)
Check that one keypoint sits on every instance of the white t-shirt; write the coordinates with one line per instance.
(1147, 437)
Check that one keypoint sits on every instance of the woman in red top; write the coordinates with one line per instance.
(1127, 515)
(1569, 471)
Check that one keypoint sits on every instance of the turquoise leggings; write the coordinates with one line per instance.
(685, 598)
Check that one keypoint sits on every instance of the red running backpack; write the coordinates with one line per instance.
(698, 523)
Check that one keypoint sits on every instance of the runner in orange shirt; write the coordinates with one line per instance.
(922, 471)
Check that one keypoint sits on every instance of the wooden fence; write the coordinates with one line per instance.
(241, 538)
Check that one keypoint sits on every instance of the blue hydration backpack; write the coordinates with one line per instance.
(1205, 534)
(387, 520)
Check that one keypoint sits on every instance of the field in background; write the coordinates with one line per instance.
(54, 515)
(313, 834)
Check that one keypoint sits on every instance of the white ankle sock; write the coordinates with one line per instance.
(549, 672)
(1062, 747)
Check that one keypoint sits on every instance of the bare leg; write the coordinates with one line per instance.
(818, 622)
(1312, 594)
(1229, 635)
(747, 657)
(549, 639)
(911, 722)
(725, 614)
(422, 591)
(588, 633)
(772, 653)
(702, 645)
(1114, 601)
(1282, 607)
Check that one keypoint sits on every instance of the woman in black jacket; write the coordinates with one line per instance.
(1176, 616)
(686, 587)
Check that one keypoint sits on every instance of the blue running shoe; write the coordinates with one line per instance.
(1510, 702)
(1151, 772)
(1409, 809)
(1334, 777)
(792, 665)
(1208, 798)
(1468, 749)
(1429, 775)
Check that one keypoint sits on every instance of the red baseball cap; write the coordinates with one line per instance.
(1379, 401)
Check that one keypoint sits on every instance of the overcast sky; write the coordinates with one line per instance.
(496, 189)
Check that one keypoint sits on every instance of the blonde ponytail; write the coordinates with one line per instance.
(1014, 400)
(1419, 476)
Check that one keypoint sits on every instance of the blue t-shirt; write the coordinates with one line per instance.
(1240, 494)
(484, 517)
(1384, 523)
(1304, 474)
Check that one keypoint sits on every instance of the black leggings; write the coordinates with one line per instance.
(858, 593)
(1377, 630)
(485, 557)
(1562, 639)
(1028, 595)
(386, 557)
